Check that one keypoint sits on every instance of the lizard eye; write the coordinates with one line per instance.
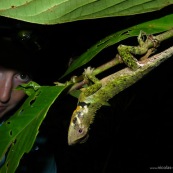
(80, 130)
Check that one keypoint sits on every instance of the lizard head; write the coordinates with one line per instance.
(78, 128)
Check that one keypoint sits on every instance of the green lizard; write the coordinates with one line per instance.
(93, 97)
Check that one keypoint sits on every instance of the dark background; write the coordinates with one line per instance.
(134, 134)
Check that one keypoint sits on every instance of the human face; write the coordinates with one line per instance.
(9, 97)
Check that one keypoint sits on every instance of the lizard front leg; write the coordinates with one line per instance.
(94, 87)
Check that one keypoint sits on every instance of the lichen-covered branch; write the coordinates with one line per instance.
(145, 49)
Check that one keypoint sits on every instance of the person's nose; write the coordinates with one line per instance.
(6, 87)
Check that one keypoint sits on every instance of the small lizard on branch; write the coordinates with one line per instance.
(94, 96)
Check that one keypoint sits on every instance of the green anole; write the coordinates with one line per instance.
(94, 96)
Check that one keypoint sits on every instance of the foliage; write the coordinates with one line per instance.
(62, 11)
(19, 132)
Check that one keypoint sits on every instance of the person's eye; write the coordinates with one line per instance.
(23, 77)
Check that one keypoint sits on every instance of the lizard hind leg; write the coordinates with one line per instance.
(146, 47)
(142, 37)
(151, 44)
(127, 57)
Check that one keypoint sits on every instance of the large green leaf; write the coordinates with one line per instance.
(19, 132)
(151, 27)
(63, 11)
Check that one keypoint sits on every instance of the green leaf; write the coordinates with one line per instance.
(29, 88)
(151, 27)
(19, 132)
(63, 11)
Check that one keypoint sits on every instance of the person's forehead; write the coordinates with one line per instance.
(7, 69)
(14, 56)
